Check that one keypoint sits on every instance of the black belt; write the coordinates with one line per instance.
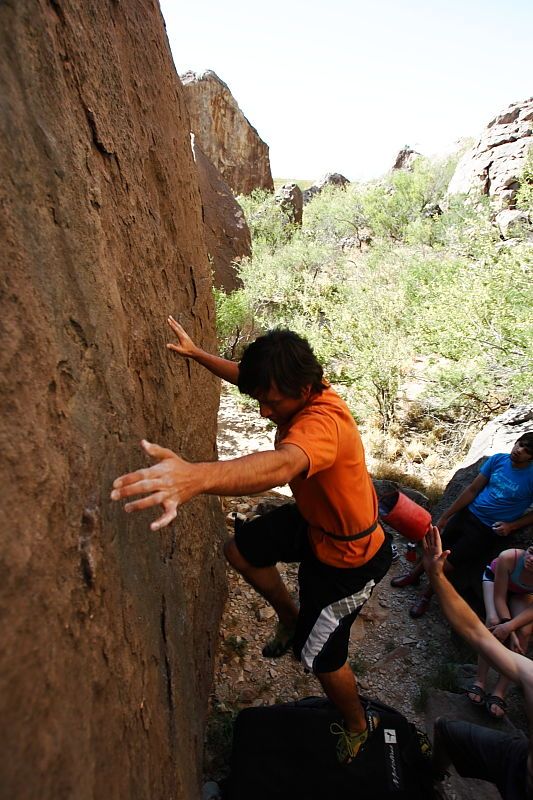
(355, 536)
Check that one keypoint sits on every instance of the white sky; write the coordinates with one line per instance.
(342, 85)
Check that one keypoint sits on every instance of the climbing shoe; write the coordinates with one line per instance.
(280, 643)
(350, 744)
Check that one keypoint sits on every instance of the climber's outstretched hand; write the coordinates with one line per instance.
(168, 483)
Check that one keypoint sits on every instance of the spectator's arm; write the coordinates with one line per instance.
(463, 620)
(464, 499)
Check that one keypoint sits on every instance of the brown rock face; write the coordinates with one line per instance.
(405, 158)
(230, 142)
(226, 231)
(289, 197)
(108, 630)
(493, 167)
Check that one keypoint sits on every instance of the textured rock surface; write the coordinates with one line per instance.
(330, 179)
(512, 222)
(108, 630)
(230, 142)
(290, 200)
(494, 165)
(226, 231)
(405, 158)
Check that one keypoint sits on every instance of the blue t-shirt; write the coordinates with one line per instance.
(507, 495)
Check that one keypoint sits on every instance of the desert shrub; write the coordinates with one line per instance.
(235, 323)
(268, 228)
(336, 215)
(524, 196)
(440, 286)
(403, 207)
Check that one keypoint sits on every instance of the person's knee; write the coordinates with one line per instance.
(234, 557)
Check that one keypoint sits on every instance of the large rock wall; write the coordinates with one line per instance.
(108, 630)
(230, 142)
(227, 234)
(494, 165)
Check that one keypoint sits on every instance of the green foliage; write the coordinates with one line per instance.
(524, 196)
(268, 229)
(405, 206)
(234, 322)
(335, 214)
(381, 274)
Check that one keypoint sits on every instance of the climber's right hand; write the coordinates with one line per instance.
(185, 346)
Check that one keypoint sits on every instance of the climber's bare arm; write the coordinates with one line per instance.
(172, 481)
(221, 367)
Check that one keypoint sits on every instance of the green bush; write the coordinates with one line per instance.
(524, 196)
(435, 285)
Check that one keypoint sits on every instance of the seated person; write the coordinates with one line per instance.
(507, 591)
(477, 752)
(485, 513)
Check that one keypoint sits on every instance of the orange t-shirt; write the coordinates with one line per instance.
(337, 494)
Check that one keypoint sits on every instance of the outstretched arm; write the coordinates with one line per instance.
(462, 618)
(464, 499)
(172, 481)
(221, 367)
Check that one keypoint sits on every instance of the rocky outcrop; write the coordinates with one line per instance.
(513, 222)
(494, 165)
(230, 142)
(290, 200)
(108, 630)
(226, 230)
(330, 179)
(405, 158)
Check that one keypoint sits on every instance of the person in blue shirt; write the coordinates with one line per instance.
(478, 523)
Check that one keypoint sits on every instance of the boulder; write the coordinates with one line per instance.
(512, 222)
(108, 629)
(405, 158)
(289, 197)
(226, 230)
(494, 165)
(230, 142)
(330, 179)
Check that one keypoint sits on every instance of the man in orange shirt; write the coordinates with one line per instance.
(332, 530)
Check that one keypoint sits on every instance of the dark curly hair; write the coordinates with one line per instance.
(526, 440)
(283, 358)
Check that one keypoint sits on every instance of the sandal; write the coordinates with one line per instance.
(280, 643)
(494, 700)
(476, 689)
